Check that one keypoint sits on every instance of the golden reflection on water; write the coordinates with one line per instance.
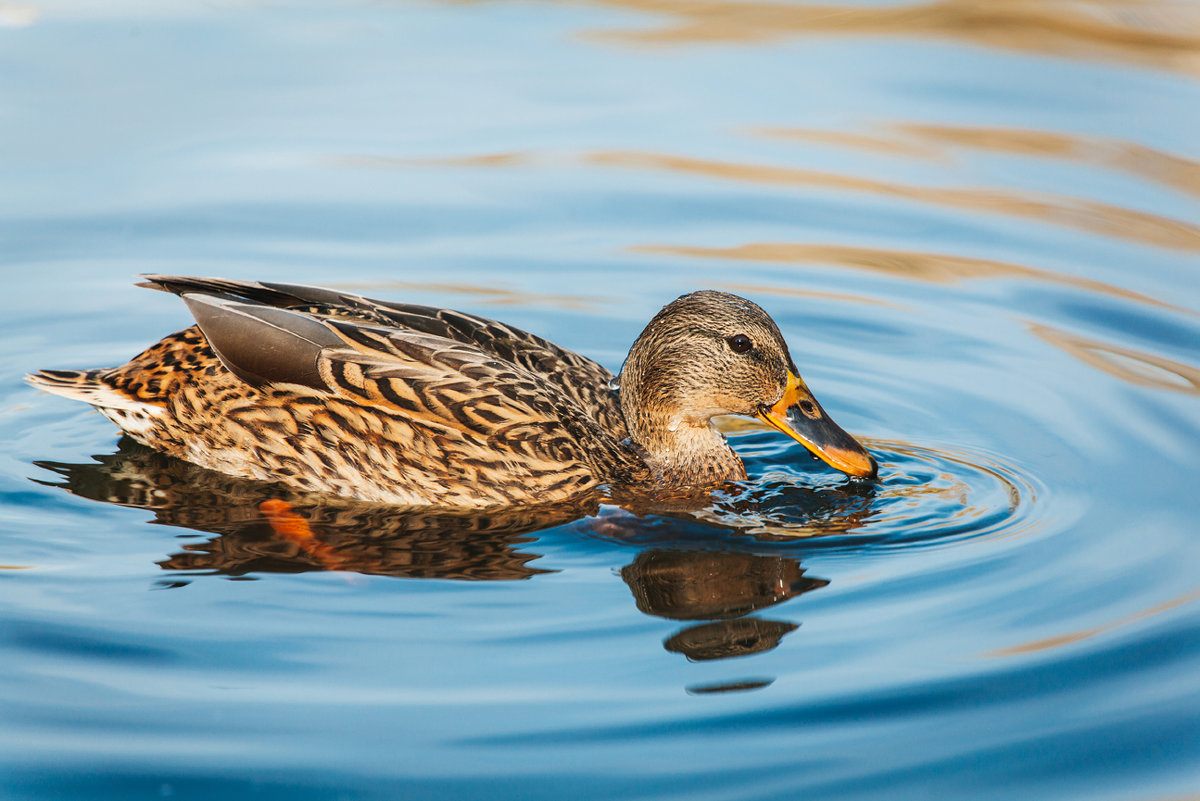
(836, 297)
(1068, 212)
(1049, 643)
(875, 143)
(491, 295)
(931, 141)
(1130, 157)
(1127, 364)
(510, 159)
(1148, 32)
(924, 141)
(940, 268)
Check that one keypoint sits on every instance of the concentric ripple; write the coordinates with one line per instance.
(926, 495)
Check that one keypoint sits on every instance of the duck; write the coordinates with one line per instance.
(410, 405)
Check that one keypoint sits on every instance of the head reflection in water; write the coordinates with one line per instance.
(719, 586)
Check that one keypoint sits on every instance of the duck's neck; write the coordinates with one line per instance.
(693, 455)
(684, 453)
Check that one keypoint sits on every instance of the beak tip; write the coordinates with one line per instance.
(857, 469)
(873, 474)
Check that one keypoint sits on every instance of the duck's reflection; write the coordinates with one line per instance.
(264, 528)
(718, 586)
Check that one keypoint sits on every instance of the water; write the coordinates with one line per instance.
(976, 225)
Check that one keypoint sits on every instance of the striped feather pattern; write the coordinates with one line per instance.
(416, 406)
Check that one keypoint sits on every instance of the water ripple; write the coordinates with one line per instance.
(1130, 365)
(1152, 33)
(1077, 213)
(938, 268)
(927, 495)
(931, 141)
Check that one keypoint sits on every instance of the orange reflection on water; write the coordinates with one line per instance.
(289, 525)
(491, 295)
(1068, 212)
(1048, 643)
(932, 267)
(504, 159)
(837, 297)
(931, 141)
(916, 140)
(1127, 364)
(887, 145)
(1159, 34)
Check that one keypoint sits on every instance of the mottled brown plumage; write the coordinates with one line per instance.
(413, 405)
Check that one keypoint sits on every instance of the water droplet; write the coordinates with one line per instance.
(615, 383)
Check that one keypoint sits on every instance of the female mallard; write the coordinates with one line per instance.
(413, 405)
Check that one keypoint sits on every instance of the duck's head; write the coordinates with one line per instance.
(712, 353)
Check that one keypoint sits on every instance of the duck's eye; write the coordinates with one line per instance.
(739, 343)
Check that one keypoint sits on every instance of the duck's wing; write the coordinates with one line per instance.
(451, 402)
(575, 376)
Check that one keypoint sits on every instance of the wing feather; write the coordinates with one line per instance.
(574, 376)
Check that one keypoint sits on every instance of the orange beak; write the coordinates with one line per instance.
(798, 415)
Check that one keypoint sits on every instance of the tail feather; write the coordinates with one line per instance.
(82, 385)
(268, 293)
(88, 386)
(179, 284)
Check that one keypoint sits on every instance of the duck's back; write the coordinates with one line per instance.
(386, 402)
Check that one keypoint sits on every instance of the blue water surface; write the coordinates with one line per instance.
(978, 226)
